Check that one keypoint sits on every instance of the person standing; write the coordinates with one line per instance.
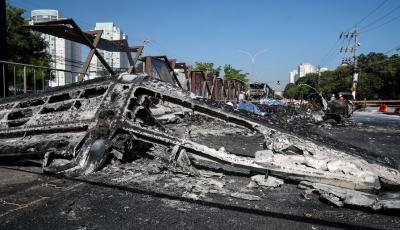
(241, 97)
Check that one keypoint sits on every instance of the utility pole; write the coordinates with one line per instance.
(3, 49)
(355, 73)
(351, 37)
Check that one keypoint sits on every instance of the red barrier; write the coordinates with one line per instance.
(383, 108)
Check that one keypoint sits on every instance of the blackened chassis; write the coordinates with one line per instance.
(76, 127)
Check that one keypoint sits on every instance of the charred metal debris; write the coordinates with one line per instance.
(79, 127)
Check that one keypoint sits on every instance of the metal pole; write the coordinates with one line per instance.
(15, 83)
(355, 74)
(25, 82)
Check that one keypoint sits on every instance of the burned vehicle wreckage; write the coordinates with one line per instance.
(79, 127)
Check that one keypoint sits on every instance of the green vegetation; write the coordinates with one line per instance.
(379, 78)
(24, 46)
(232, 73)
(207, 67)
(229, 71)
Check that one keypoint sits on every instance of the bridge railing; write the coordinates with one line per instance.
(377, 102)
(20, 78)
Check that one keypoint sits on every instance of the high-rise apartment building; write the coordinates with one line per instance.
(302, 70)
(116, 60)
(65, 54)
(305, 69)
(293, 76)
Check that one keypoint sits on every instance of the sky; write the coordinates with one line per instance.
(285, 33)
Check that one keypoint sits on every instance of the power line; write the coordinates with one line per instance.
(393, 49)
(64, 63)
(371, 12)
(68, 59)
(77, 62)
(59, 60)
(329, 54)
(380, 18)
(73, 61)
(388, 61)
(377, 27)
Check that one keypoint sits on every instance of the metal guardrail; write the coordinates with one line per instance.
(31, 79)
(20, 78)
(30, 76)
(377, 102)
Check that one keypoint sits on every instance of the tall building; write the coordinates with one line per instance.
(64, 54)
(293, 76)
(116, 60)
(305, 69)
(302, 70)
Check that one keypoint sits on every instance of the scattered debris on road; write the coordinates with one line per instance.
(81, 128)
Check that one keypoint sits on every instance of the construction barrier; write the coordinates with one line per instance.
(383, 108)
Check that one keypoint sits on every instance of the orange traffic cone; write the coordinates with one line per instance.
(383, 108)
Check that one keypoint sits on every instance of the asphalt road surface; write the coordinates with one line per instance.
(31, 200)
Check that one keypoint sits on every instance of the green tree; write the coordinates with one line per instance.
(379, 76)
(24, 46)
(368, 86)
(328, 84)
(310, 79)
(335, 81)
(207, 67)
(291, 91)
(232, 73)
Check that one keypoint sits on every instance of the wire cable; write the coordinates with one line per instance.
(371, 12)
(377, 27)
(388, 61)
(64, 62)
(360, 21)
(380, 18)
(393, 49)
